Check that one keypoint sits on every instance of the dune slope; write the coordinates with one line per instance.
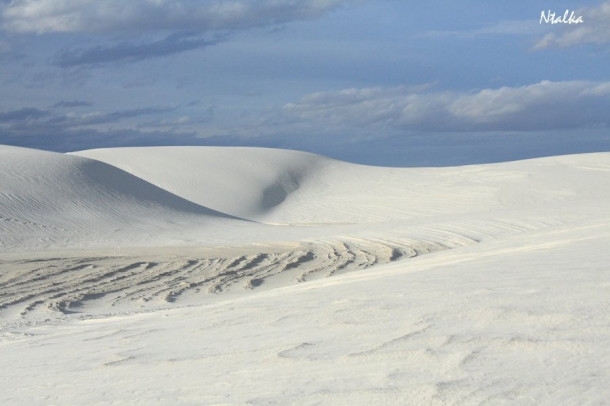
(245, 182)
(49, 199)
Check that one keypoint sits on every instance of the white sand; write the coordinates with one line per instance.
(201, 276)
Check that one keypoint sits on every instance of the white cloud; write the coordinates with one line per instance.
(541, 106)
(594, 29)
(112, 16)
(502, 28)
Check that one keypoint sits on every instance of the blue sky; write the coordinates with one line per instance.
(385, 82)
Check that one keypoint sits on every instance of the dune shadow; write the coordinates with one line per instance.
(118, 181)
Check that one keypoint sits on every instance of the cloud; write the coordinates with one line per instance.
(120, 16)
(33, 127)
(130, 52)
(327, 119)
(72, 103)
(541, 106)
(594, 29)
(24, 114)
(502, 28)
(29, 118)
(71, 139)
(129, 25)
(72, 120)
(5, 47)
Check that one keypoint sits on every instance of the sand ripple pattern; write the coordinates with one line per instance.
(66, 285)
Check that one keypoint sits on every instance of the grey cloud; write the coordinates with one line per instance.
(541, 106)
(96, 118)
(32, 127)
(34, 121)
(72, 103)
(114, 16)
(122, 114)
(4, 47)
(206, 22)
(27, 113)
(69, 139)
(130, 52)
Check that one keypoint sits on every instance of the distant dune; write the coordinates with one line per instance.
(245, 182)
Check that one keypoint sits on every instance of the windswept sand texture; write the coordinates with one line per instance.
(196, 275)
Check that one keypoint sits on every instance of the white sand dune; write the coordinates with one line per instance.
(245, 182)
(195, 275)
(290, 187)
(50, 201)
